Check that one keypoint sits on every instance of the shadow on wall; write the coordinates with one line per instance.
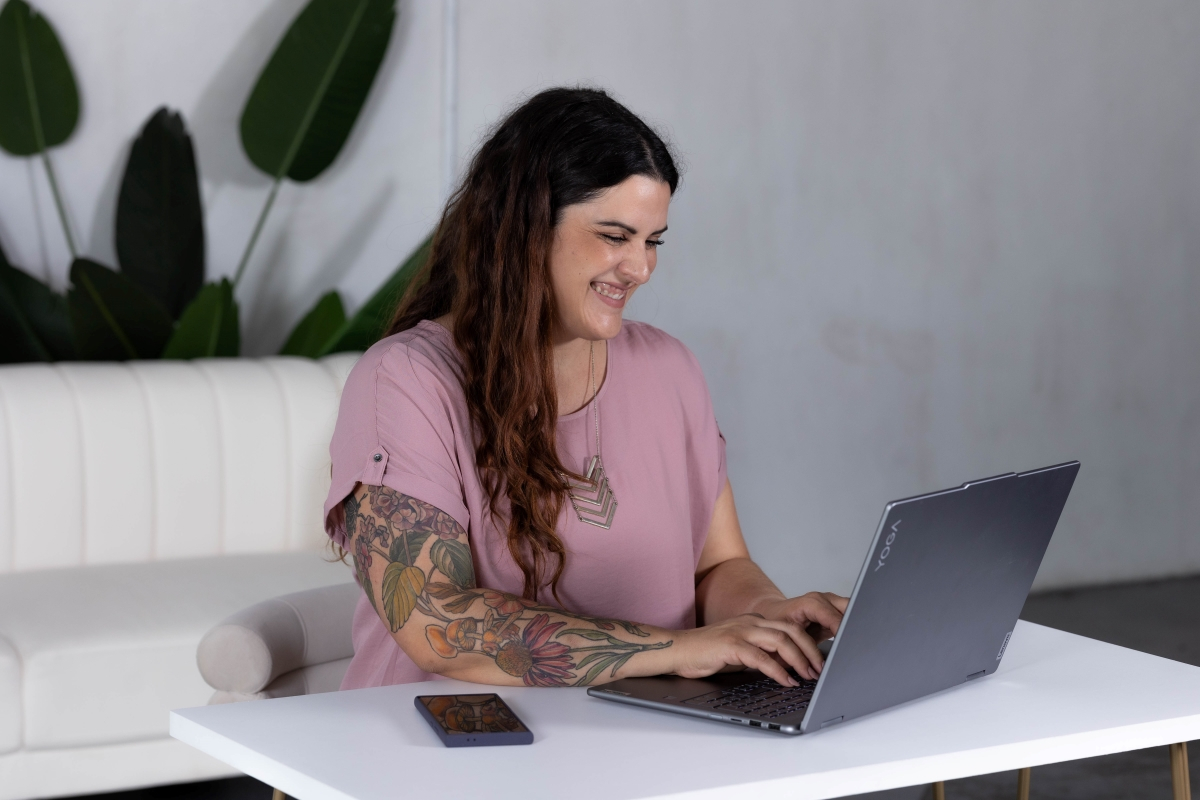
(217, 114)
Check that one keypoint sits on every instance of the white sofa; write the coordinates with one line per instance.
(140, 505)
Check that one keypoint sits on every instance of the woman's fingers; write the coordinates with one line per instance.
(821, 609)
(811, 661)
(755, 658)
(839, 602)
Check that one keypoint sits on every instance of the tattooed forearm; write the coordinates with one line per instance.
(427, 571)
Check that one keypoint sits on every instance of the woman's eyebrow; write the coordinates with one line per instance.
(628, 229)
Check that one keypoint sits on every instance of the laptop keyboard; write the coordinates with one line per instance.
(765, 699)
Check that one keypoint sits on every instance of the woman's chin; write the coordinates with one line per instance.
(606, 329)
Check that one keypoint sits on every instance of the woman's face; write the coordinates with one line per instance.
(603, 251)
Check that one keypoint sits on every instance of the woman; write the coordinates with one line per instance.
(532, 489)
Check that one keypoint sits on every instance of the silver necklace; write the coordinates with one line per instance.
(592, 497)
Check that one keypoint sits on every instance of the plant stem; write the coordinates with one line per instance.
(39, 137)
(258, 226)
(58, 203)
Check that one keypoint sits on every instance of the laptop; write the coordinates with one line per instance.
(935, 605)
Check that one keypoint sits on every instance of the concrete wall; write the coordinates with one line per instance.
(916, 243)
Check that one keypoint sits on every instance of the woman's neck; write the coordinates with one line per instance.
(573, 372)
(572, 368)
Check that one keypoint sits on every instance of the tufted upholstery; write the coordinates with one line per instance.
(146, 461)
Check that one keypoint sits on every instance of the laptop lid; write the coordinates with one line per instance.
(940, 592)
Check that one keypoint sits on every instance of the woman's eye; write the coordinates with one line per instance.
(614, 239)
(655, 242)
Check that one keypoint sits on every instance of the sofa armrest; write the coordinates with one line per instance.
(250, 649)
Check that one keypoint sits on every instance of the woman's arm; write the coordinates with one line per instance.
(729, 583)
(414, 563)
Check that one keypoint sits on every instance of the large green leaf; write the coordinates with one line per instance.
(34, 323)
(112, 318)
(39, 104)
(209, 326)
(318, 328)
(313, 88)
(160, 226)
(367, 325)
(453, 559)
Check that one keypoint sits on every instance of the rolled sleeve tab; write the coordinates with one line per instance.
(376, 465)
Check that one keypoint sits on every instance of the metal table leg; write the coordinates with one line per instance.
(1023, 784)
(939, 791)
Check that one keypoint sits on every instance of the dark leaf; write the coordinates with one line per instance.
(453, 559)
(113, 319)
(209, 326)
(310, 93)
(160, 225)
(415, 540)
(315, 332)
(370, 322)
(34, 322)
(31, 56)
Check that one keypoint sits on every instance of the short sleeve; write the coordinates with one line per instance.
(396, 427)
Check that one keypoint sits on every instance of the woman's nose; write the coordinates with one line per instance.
(636, 269)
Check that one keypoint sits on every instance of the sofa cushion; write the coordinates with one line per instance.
(106, 651)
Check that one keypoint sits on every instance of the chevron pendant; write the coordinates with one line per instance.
(592, 498)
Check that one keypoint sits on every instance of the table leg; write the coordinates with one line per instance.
(1181, 780)
(1023, 784)
(939, 791)
(278, 795)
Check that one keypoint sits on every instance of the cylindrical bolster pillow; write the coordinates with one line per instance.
(250, 649)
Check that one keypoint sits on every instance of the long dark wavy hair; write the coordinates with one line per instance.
(489, 268)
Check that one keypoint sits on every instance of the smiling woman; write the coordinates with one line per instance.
(481, 448)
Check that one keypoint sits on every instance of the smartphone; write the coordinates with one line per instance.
(472, 720)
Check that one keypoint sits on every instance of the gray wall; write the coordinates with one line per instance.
(916, 243)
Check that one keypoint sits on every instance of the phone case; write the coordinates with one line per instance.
(472, 720)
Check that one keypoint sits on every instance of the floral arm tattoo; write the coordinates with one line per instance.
(428, 573)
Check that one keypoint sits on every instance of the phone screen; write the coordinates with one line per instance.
(472, 713)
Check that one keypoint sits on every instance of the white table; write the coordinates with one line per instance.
(1056, 697)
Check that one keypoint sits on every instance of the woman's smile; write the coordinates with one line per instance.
(610, 293)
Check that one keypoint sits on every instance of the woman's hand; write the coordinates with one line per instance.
(748, 640)
(819, 614)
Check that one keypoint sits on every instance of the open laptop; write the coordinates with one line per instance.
(934, 606)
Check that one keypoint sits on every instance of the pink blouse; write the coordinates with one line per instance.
(403, 423)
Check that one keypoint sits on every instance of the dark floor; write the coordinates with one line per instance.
(1162, 618)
